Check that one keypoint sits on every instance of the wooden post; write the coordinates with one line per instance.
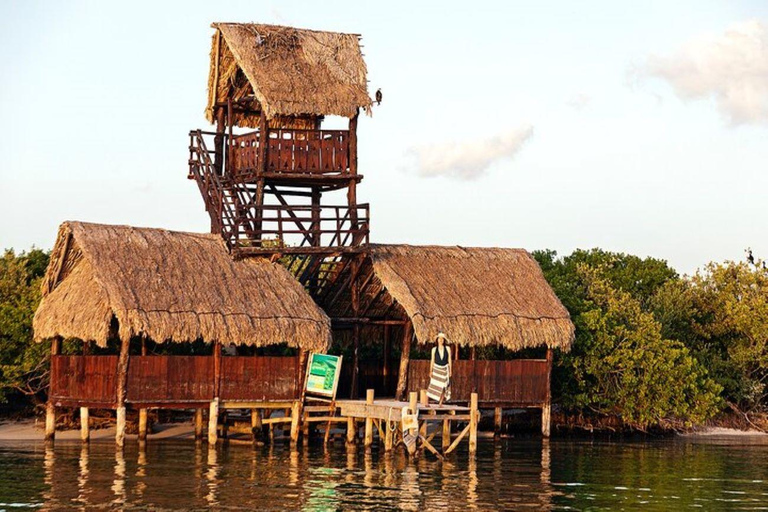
(213, 422)
(198, 424)
(218, 141)
(142, 424)
(295, 422)
(50, 408)
(122, 391)
(388, 436)
(475, 415)
(412, 404)
(424, 401)
(546, 410)
(447, 433)
(351, 430)
(143, 412)
(256, 424)
(368, 420)
(498, 415)
(262, 168)
(352, 190)
(85, 433)
(473, 353)
(405, 356)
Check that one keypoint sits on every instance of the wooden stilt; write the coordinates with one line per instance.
(447, 433)
(295, 422)
(388, 436)
(256, 425)
(424, 401)
(50, 408)
(545, 420)
(50, 422)
(351, 430)
(120, 427)
(546, 409)
(369, 395)
(142, 424)
(122, 389)
(213, 422)
(498, 415)
(405, 356)
(412, 404)
(85, 432)
(199, 424)
(475, 418)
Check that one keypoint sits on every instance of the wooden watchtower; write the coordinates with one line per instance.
(268, 171)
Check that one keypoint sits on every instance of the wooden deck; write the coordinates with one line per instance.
(391, 410)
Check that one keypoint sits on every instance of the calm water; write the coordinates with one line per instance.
(517, 474)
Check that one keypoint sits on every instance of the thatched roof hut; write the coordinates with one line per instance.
(477, 296)
(288, 71)
(170, 286)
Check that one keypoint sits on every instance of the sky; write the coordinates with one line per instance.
(637, 127)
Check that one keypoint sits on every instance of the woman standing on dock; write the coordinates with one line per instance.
(440, 371)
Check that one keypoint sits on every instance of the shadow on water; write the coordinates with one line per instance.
(529, 474)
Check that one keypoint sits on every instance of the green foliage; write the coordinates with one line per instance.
(621, 363)
(721, 313)
(624, 367)
(22, 363)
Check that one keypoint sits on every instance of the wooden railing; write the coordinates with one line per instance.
(172, 380)
(319, 152)
(522, 382)
(307, 226)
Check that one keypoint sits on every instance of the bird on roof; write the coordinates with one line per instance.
(378, 96)
(750, 258)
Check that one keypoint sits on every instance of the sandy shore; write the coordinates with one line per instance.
(32, 430)
(723, 431)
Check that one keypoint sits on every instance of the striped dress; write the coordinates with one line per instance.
(440, 380)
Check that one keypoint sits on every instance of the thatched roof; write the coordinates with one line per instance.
(476, 296)
(290, 71)
(168, 285)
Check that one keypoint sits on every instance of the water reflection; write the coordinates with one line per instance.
(118, 484)
(82, 476)
(530, 474)
(212, 477)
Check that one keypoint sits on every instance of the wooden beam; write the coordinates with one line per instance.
(405, 357)
(142, 424)
(385, 357)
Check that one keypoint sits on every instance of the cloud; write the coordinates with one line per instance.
(579, 101)
(731, 67)
(467, 160)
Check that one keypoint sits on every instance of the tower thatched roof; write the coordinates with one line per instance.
(290, 71)
(170, 286)
(476, 296)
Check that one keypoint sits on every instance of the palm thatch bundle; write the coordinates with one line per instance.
(476, 296)
(170, 286)
(290, 72)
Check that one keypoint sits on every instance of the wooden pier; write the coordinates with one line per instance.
(386, 416)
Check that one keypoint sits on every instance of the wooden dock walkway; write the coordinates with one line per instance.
(386, 416)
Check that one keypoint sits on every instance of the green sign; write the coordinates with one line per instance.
(323, 375)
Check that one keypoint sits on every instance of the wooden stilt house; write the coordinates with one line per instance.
(283, 256)
(130, 289)
(479, 297)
